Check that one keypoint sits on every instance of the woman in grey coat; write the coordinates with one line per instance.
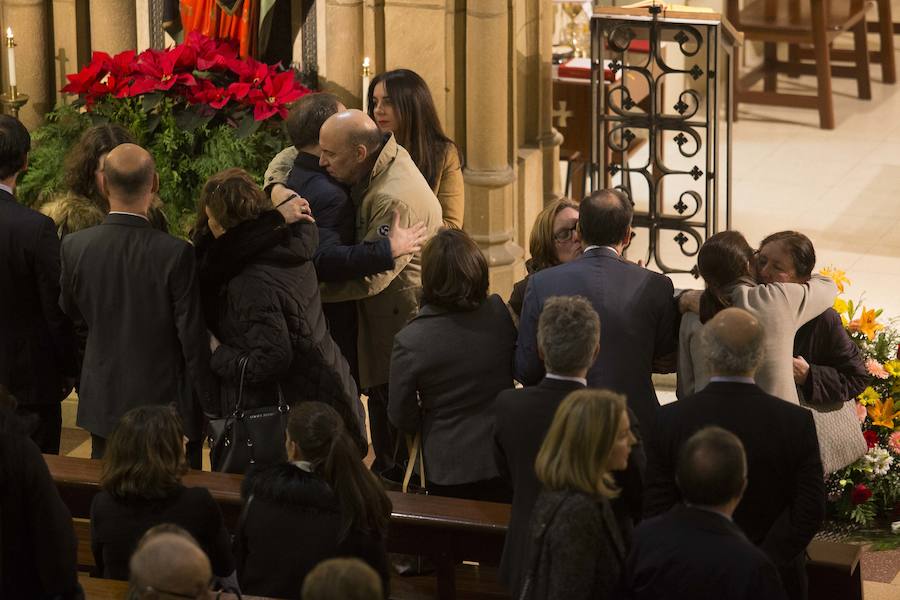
(577, 548)
(726, 263)
(447, 367)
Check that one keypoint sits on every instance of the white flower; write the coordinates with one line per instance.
(879, 459)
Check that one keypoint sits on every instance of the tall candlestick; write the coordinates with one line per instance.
(11, 56)
(366, 73)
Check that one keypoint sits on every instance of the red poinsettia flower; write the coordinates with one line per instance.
(81, 82)
(206, 92)
(276, 91)
(156, 71)
(251, 74)
(209, 54)
(871, 438)
(121, 64)
(860, 494)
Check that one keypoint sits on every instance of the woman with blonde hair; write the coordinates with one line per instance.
(554, 240)
(577, 549)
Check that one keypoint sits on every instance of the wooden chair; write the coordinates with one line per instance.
(886, 30)
(805, 23)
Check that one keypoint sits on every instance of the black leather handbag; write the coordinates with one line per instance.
(248, 437)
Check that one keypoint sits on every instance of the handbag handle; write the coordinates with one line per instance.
(242, 363)
(414, 444)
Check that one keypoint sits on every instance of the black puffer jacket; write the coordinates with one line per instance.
(261, 299)
(291, 524)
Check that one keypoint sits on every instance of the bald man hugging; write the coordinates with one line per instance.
(389, 191)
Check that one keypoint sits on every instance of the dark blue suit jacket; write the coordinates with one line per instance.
(338, 256)
(691, 553)
(638, 323)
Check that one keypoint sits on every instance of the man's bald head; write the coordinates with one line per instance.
(350, 142)
(129, 177)
(604, 218)
(734, 343)
(172, 565)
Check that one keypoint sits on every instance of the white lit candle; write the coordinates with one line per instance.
(11, 56)
(365, 84)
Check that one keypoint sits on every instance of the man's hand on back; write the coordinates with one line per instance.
(406, 241)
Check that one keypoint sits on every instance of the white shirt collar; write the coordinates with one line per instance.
(123, 212)
(580, 380)
(303, 465)
(7, 189)
(594, 246)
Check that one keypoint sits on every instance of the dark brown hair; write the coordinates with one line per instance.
(84, 158)
(801, 248)
(712, 467)
(233, 197)
(454, 271)
(418, 127)
(145, 454)
(542, 243)
(604, 217)
(319, 432)
(307, 117)
(723, 261)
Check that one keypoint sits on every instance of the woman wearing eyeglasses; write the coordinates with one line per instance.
(554, 241)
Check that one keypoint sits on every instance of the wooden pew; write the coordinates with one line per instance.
(447, 530)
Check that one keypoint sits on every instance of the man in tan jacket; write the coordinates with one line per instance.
(388, 190)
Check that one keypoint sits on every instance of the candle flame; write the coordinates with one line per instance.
(9, 32)
(366, 62)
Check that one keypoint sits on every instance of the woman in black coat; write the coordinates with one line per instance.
(577, 549)
(447, 367)
(828, 367)
(322, 504)
(141, 488)
(261, 300)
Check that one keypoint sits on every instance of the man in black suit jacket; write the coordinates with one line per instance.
(568, 342)
(132, 293)
(37, 349)
(784, 504)
(636, 306)
(696, 550)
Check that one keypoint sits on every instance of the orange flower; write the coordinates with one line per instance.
(866, 323)
(882, 413)
(837, 275)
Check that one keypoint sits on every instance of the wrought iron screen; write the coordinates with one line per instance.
(664, 154)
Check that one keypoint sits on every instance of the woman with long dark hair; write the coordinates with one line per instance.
(727, 265)
(84, 203)
(141, 488)
(401, 103)
(323, 503)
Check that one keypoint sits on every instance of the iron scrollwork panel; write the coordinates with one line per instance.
(680, 168)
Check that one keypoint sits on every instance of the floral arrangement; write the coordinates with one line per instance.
(197, 107)
(869, 489)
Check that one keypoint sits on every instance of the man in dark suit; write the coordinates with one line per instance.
(636, 306)
(696, 550)
(338, 257)
(784, 504)
(568, 342)
(132, 293)
(37, 349)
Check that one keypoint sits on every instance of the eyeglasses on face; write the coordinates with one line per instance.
(565, 234)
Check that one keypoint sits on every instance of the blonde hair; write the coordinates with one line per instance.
(542, 244)
(575, 453)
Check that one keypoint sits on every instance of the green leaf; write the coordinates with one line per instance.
(247, 127)
(151, 101)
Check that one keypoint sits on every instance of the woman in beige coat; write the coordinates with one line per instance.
(726, 265)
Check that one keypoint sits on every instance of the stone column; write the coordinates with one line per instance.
(30, 21)
(549, 138)
(489, 176)
(113, 25)
(340, 50)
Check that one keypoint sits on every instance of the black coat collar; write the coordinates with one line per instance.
(127, 220)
